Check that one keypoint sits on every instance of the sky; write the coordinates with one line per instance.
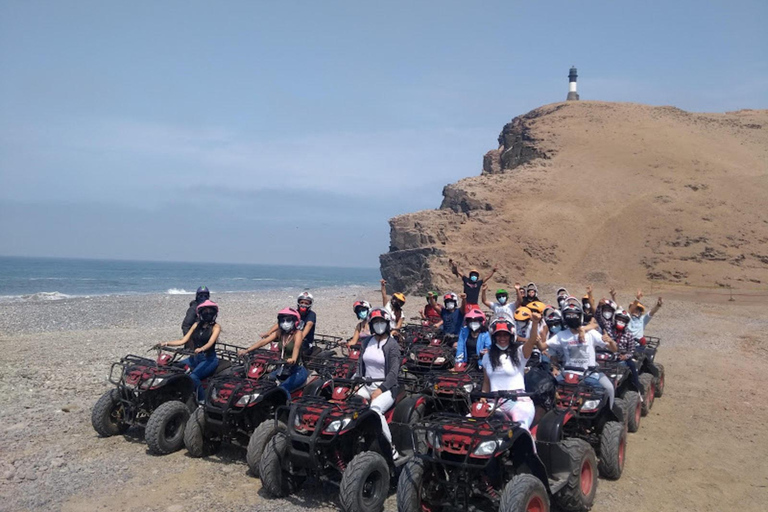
(290, 132)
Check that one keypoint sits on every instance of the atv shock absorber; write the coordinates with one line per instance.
(339, 461)
(487, 488)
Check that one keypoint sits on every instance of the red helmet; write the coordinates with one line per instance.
(361, 304)
(502, 325)
(289, 313)
(450, 296)
(380, 313)
(474, 314)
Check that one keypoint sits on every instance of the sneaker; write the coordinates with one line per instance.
(395, 454)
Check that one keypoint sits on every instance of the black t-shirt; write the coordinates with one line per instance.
(472, 344)
(201, 336)
(472, 289)
(309, 316)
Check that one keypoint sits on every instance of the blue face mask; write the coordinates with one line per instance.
(555, 329)
(502, 300)
(473, 278)
(362, 314)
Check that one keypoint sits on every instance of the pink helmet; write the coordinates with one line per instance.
(207, 304)
(474, 314)
(290, 313)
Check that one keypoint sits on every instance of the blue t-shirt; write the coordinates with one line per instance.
(637, 325)
(452, 321)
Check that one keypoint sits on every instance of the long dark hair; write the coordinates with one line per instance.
(496, 352)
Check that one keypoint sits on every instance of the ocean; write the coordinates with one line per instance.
(54, 278)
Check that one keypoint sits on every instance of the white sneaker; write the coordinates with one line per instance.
(395, 454)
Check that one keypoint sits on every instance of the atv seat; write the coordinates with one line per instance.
(224, 365)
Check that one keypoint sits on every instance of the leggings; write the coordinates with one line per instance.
(380, 404)
(521, 410)
(203, 366)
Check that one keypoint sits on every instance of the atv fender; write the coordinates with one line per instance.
(523, 452)
(180, 383)
(402, 434)
(651, 368)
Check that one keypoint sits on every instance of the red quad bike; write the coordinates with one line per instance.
(449, 390)
(582, 411)
(487, 462)
(158, 395)
(237, 404)
(337, 438)
(627, 394)
(651, 372)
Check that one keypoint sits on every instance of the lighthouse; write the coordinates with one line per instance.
(572, 94)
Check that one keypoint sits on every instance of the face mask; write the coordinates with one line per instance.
(502, 300)
(521, 327)
(474, 325)
(396, 305)
(207, 316)
(620, 326)
(379, 327)
(473, 279)
(607, 315)
(555, 329)
(572, 321)
(560, 301)
(500, 347)
(286, 325)
(362, 314)
(586, 306)
(303, 308)
(635, 316)
(450, 306)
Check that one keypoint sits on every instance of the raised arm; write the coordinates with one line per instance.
(635, 303)
(518, 296)
(612, 291)
(489, 276)
(533, 336)
(591, 298)
(657, 307)
(384, 293)
(484, 295)
(455, 268)
(609, 341)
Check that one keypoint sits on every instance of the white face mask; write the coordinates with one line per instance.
(286, 325)
(474, 325)
(607, 315)
(521, 327)
(500, 347)
(379, 327)
(450, 306)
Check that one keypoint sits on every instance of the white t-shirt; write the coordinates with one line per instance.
(374, 358)
(506, 311)
(507, 376)
(566, 344)
(393, 322)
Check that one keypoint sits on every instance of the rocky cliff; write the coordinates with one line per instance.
(608, 193)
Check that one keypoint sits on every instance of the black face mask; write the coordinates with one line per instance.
(572, 321)
(202, 298)
(207, 316)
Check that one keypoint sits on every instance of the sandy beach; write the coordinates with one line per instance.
(702, 447)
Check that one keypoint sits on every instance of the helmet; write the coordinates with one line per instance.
(500, 292)
(207, 304)
(612, 305)
(203, 292)
(474, 314)
(531, 286)
(552, 317)
(430, 295)
(562, 291)
(378, 314)
(361, 304)
(474, 271)
(502, 325)
(522, 314)
(571, 311)
(451, 296)
(537, 306)
(289, 313)
(305, 296)
(621, 315)
(399, 296)
(640, 307)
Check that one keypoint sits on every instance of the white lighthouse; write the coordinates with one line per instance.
(572, 94)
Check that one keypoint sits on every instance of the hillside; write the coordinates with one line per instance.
(607, 193)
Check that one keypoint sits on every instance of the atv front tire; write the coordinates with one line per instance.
(647, 380)
(613, 445)
(578, 495)
(523, 493)
(194, 436)
(274, 480)
(108, 414)
(365, 483)
(634, 410)
(165, 428)
(659, 381)
(259, 438)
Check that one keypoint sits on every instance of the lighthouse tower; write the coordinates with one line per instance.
(572, 94)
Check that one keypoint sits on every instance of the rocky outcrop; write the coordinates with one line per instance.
(611, 193)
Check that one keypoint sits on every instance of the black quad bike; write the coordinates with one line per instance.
(157, 394)
(488, 462)
(339, 439)
(627, 394)
(651, 372)
(582, 411)
(238, 403)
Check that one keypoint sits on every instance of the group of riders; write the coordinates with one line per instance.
(517, 326)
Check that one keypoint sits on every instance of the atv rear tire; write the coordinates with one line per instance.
(194, 436)
(524, 493)
(578, 495)
(613, 445)
(108, 413)
(274, 480)
(365, 483)
(659, 381)
(409, 486)
(165, 428)
(258, 441)
(634, 410)
(647, 380)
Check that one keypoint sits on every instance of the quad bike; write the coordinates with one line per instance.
(337, 438)
(158, 395)
(582, 411)
(651, 372)
(240, 402)
(627, 394)
(490, 462)
(449, 390)
(429, 358)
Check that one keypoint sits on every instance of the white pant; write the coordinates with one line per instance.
(380, 404)
(521, 410)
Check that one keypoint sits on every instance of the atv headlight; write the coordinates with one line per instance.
(247, 399)
(486, 448)
(590, 406)
(439, 360)
(433, 439)
(297, 421)
(337, 425)
(152, 383)
(468, 387)
(214, 394)
(412, 356)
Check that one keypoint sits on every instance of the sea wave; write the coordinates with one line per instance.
(178, 291)
(35, 297)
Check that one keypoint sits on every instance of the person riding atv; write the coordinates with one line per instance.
(202, 295)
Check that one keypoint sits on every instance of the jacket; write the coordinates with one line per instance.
(483, 342)
(392, 362)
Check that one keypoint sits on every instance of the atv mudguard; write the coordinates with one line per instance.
(524, 452)
(400, 425)
(181, 382)
(650, 367)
